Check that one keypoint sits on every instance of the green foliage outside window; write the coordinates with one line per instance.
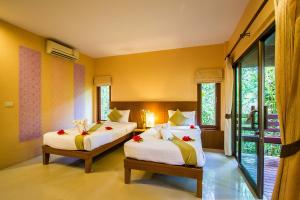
(270, 89)
(270, 101)
(208, 103)
(104, 91)
(250, 97)
(249, 90)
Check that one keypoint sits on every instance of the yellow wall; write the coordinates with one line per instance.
(57, 92)
(262, 22)
(152, 76)
(160, 75)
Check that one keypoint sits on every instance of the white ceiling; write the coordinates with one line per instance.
(102, 28)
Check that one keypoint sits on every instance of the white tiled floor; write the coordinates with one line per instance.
(64, 178)
(223, 179)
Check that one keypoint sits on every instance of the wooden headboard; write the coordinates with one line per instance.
(210, 139)
(160, 109)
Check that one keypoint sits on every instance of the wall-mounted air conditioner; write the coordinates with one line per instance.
(62, 51)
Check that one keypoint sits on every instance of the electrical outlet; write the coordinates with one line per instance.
(8, 104)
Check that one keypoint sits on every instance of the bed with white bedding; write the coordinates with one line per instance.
(155, 149)
(160, 155)
(100, 137)
(93, 143)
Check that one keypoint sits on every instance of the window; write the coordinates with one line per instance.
(103, 102)
(209, 105)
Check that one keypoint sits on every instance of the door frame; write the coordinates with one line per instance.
(258, 185)
(259, 43)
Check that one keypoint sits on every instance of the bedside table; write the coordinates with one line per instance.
(138, 131)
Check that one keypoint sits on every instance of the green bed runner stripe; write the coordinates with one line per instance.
(80, 138)
(79, 142)
(94, 128)
(187, 151)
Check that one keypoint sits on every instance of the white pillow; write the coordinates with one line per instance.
(124, 117)
(166, 134)
(189, 115)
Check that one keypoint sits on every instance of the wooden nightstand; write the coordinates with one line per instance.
(138, 131)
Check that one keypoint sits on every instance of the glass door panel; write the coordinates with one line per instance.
(236, 113)
(249, 123)
(256, 126)
(271, 124)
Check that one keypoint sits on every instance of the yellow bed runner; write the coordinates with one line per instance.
(187, 151)
(80, 138)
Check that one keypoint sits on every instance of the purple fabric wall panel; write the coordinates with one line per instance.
(29, 94)
(79, 102)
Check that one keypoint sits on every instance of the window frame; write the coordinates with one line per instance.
(218, 107)
(98, 89)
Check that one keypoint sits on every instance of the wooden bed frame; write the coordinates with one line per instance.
(175, 170)
(87, 156)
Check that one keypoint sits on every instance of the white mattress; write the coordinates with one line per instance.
(158, 150)
(96, 139)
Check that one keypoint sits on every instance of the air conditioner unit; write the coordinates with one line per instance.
(62, 51)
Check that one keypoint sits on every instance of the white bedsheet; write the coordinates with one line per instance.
(96, 139)
(162, 151)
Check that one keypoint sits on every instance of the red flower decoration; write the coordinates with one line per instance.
(108, 128)
(192, 126)
(187, 138)
(84, 133)
(61, 132)
(137, 138)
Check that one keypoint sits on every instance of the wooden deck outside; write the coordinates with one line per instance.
(272, 132)
(270, 171)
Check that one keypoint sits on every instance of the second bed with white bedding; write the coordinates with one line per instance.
(100, 137)
(155, 149)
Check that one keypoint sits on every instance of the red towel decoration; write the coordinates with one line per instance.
(187, 138)
(61, 132)
(137, 138)
(192, 126)
(108, 128)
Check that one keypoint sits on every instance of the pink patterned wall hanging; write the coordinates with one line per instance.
(79, 102)
(29, 94)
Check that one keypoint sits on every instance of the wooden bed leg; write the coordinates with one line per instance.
(127, 175)
(199, 186)
(46, 157)
(88, 165)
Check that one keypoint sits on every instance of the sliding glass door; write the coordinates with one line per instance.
(272, 142)
(251, 111)
(249, 128)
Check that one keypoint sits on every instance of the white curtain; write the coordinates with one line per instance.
(228, 83)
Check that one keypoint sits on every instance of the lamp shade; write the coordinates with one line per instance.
(150, 119)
